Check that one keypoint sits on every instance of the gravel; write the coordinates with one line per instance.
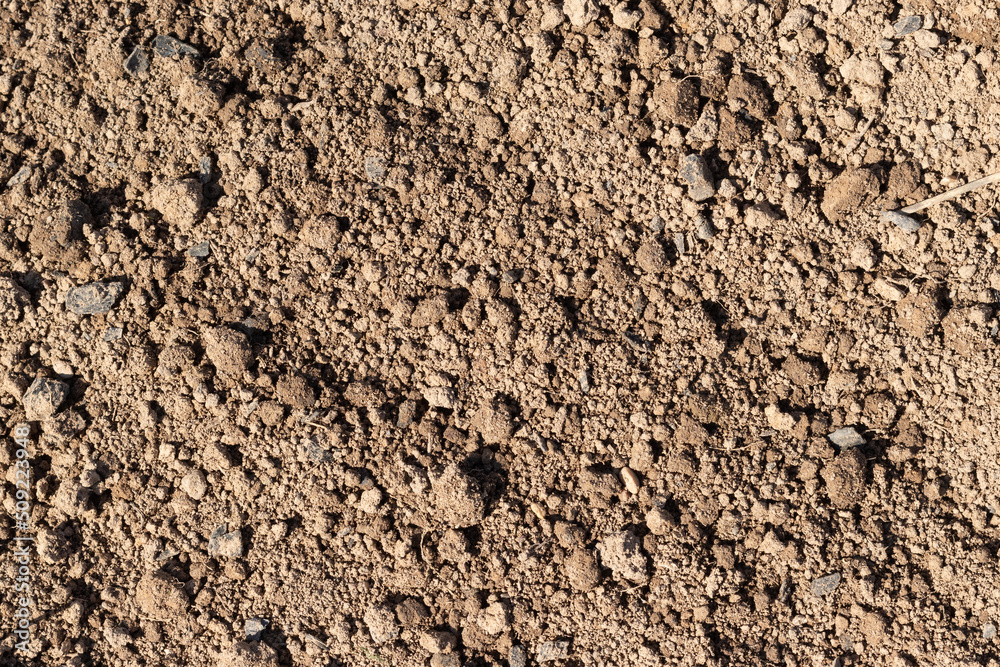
(846, 437)
(94, 298)
(137, 62)
(552, 651)
(825, 585)
(43, 398)
(225, 543)
(907, 25)
(901, 220)
(167, 47)
(254, 627)
(203, 249)
(695, 172)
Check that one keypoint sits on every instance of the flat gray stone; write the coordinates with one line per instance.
(375, 168)
(203, 249)
(166, 46)
(518, 657)
(989, 631)
(205, 169)
(136, 63)
(694, 171)
(551, 651)
(908, 25)
(901, 220)
(825, 585)
(846, 437)
(94, 298)
(225, 543)
(21, 176)
(254, 627)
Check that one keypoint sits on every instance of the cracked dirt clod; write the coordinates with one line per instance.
(249, 654)
(845, 478)
(228, 350)
(161, 597)
(457, 498)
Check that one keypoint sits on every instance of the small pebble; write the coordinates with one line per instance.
(512, 276)
(20, 177)
(203, 249)
(989, 631)
(705, 231)
(825, 585)
(227, 544)
(631, 480)
(679, 243)
(94, 298)
(518, 657)
(901, 220)
(694, 170)
(908, 25)
(254, 627)
(136, 63)
(551, 651)
(205, 169)
(846, 437)
(584, 381)
(375, 168)
(43, 398)
(166, 47)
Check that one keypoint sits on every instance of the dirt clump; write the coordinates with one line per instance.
(845, 478)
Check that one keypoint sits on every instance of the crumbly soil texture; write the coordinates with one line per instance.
(502, 333)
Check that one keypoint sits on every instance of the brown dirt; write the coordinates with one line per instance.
(420, 348)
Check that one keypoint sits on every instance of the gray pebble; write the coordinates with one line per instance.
(254, 627)
(901, 220)
(43, 398)
(679, 243)
(21, 176)
(846, 437)
(704, 231)
(550, 651)
(112, 334)
(518, 657)
(375, 168)
(166, 46)
(205, 169)
(989, 631)
(167, 553)
(227, 544)
(908, 25)
(512, 276)
(825, 585)
(584, 381)
(136, 63)
(317, 453)
(656, 224)
(94, 298)
(695, 172)
(203, 249)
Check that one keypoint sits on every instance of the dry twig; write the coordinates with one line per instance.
(952, 194)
